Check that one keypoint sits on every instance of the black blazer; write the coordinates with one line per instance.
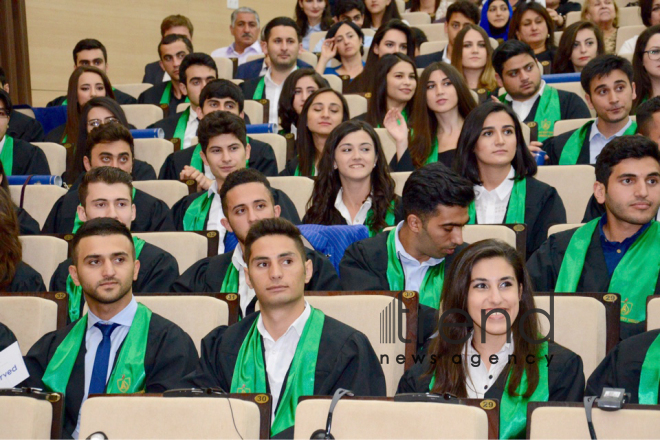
(153, 74)
(253, 69)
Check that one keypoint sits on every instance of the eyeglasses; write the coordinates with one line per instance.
(654, 54)
(98, 122)
(4, 113)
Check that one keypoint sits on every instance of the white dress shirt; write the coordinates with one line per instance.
(361, 215)
(480, 379)
(413, 270)
(191, 129)
(628, 46)
(2, 144)
(230, 52)
(445, 57)
(490, 206)
(279, 354)
(215, 215)
(597, 140)
(93, 338)
(522, 108)
(273, 92)
(245, 293)
(310, 31)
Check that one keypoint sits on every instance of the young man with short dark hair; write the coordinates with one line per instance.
(110, 144)
(119, 346)
(172, 24)
(217, 95)
(246, 197)
(288, 348)
(224, 149)
(620, 251)
(609, 89)
(245, 28)
(517, 70)
(108, 192)
(21, 126)
(172, 49)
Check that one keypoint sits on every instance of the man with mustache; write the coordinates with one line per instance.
(609, 89)
(245, 28)
(620, 251)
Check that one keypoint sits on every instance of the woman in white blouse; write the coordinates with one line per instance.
(492, 154)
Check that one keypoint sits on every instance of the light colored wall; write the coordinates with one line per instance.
(130, 30)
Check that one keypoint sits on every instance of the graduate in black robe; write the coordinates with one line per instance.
(570, 105)
(622, 366)
(27, 225)
(406, 164)
(153, 73)
(25, 128)
(154, 94)
(26, 279)
(29, 159)
(6, 337)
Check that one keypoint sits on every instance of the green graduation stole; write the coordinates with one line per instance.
(77, 223)
(634, 278)
(389, 219)
(431, 288)
(650, 375)
(230, 282)
(127, 377)
(181, 125)
(75, 292)
(573, 146)
(259, 91)
(7, 155)
(515, 211)
(513, 409)
(165, 98)
(250, 373)
(195, 217)
(297, 172)
(547, 112)
(433, 157)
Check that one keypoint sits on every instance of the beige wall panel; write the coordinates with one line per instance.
(130, 30)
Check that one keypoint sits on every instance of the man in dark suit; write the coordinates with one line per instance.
(173, 24)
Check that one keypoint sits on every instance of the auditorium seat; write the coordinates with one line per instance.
(278, 143)
(624, 33)
(653, 313)
(44, 253)
(630, 16)
(429, 47)
(387, 144)
(256, 56)
(29, 317)
(225, 67)
(567, 125)
(575, 87)
(55, 155)
(38, 199)
(298, 188)
(357, 105)
(416, 18)
(314, 40)
(133, 89)
(169, 191)
(400, 181)
(23, 417)
(142, 115)
(153, 151)
(187, 247)
(475, 233)
(434, 31)
(334, 81)
(563, 227)
(308, 57)
(575, 185)
(255, 111)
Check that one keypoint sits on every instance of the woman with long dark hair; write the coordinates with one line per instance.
(15, 275)
(646, 65)
(297, 87)
(580, 43)
(27, 225)
(532, 24)
(495, 19)
(324, 110)
(475, 357)
(395, 82)
(312, 16)
(354, 185)
(438, 111)
(472, 56)
(380, 12)
(493, 156)
(343, 42)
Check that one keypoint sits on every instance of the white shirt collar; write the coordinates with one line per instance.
(269, 81)
(2, 144)
(502, 191)
(125, 317)
(596, 132)
(522, 108)
(298, 325)
(213, 189)
(361, 215)
(401, 251)
(254, 47)
(237, 258)
(192, 116)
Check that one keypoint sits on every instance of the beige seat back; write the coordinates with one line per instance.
(254, 110)
(334, 81)
(142, 115)
(29, 318)
(153, 151)
(527, 133)
(558, 35)
(298, 188)
(187, 247)
(434, 31)
(24, 417)
(278, 143)
(371, 419)
(400, 181)
(182, 107)
(401, 6)
(567, 125)
(196, 315)
(624, 33)
(308, 57)
(387, 143)
(357, 105)
(44, 254)
(169, 191)
(38, 200)
(562, 227)
(225, 67)
(133, 89)
(577, 315)
(237, 81)
(630, 16)
(416, 18)
(474, 233)
(256, 56)
(314, 40)
(55, 155)
(570, 423)
(574, 16)
(575, 185)
(432, 47)
(158, 417)
(26, 111)
(653, 314)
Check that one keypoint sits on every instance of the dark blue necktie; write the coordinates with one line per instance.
(100, 371)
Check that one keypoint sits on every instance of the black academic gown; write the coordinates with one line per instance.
(565, 377)
(152, 214)
(158, 270)
(346, 359)
(406, 164)
(364, 267)
(6, 337)
(593, 210)
(424, 61)
(544, 265)
(170, 355)
(121, 98)
(570, 105)
(288, 212)
(153, 73)
(622, 367)
(262, 158)
(26, 279)
(555, 145)
(26, 224)
(153, 95)
(25, 128)
(208, 274)
(56, 134)
(547, 56)
(290, 167)
(29, 159)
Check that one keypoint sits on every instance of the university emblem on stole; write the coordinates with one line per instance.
(243, 390)
(124, 383)
(626, 307)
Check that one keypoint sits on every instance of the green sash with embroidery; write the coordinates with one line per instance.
(127, 377)
(77, 223)
(250, 372)
(573, 146)
(547, 112)
(7, 155)
(75, 292)
(181, 125)
(195, 217)
(431, 288)
(649, 377)
(389, 219)
(259, 91)
(634, 278)
(515, 211)
(230, 281)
